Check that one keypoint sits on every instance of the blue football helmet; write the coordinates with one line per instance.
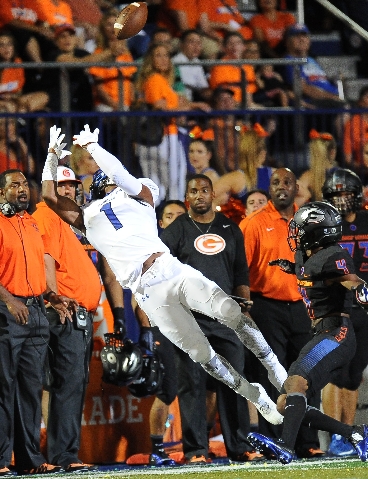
(99, 182)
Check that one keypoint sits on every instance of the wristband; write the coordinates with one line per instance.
(118, 313)
(50, 169)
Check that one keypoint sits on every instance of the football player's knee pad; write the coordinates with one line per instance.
(225, 309)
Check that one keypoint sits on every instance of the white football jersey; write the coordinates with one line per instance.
(124, 230)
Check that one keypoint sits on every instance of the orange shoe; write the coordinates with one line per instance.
(43, 469)
(198, 460)
(5, 471)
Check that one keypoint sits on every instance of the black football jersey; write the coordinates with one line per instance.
(355, 241)
(312, 272)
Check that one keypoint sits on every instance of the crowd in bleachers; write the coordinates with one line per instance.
(169, 112)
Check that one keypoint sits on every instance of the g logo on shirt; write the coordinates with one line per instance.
(209, 244)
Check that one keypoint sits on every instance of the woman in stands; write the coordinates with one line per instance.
(165, 163)
(12, 81)
(322, 153)
(251, 173)
(202, 155)
(107, 79)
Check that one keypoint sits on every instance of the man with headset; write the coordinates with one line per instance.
(24, 330)
(72, 273)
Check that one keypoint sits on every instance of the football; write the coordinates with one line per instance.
(130, 20)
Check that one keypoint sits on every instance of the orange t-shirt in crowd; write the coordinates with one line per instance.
(86, 11)
(192, 9)
(76, 275)
(226, 75)
(217, 11)
(12, 79)
(355, 136)
(18, 10)
(22, 265)
(265, 238)
(156, 88)
(52, 14)
(110, 80)
(273, 31)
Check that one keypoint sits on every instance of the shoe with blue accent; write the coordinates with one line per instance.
(271, 447)
(359, 439)
(159, 460)
(340, 447)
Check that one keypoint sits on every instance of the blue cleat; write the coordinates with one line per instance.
(340, 447)
(159, 460)
(359, 439)
(270, 447)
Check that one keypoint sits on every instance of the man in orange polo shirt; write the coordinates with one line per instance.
(278, 309)
(24, 329)
(71, 273)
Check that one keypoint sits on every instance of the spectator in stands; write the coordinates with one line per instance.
(271, 88)
(226, 128)
(178, 16)
(322, 158)
(107, 79)
(251, 173)
(317, 90)
(54, 13)
(166, 163)
(254, 200)
(12, 82)
(34, 38)
(269, 27)
(80, 87)
(356, 135)
(202, 155)
(223, 17)
(240, 79)
(193, 76)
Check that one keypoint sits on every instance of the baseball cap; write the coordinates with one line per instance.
(66, 174)
(66, 27)
(297, 29)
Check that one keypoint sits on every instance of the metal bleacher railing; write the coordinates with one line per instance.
(287, 145)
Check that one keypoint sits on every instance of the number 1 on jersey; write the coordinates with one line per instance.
(111, 216)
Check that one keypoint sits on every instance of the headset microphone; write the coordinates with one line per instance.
(7, 209)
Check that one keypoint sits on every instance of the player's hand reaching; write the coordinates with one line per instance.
(86, 137)
(55, 145)
(286, 265)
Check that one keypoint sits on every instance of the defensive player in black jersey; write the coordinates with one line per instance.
(344, 190)
(327, 280)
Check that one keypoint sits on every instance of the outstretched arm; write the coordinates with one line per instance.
(64, 207)
(111, 166)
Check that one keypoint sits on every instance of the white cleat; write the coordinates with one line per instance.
(266, 406)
